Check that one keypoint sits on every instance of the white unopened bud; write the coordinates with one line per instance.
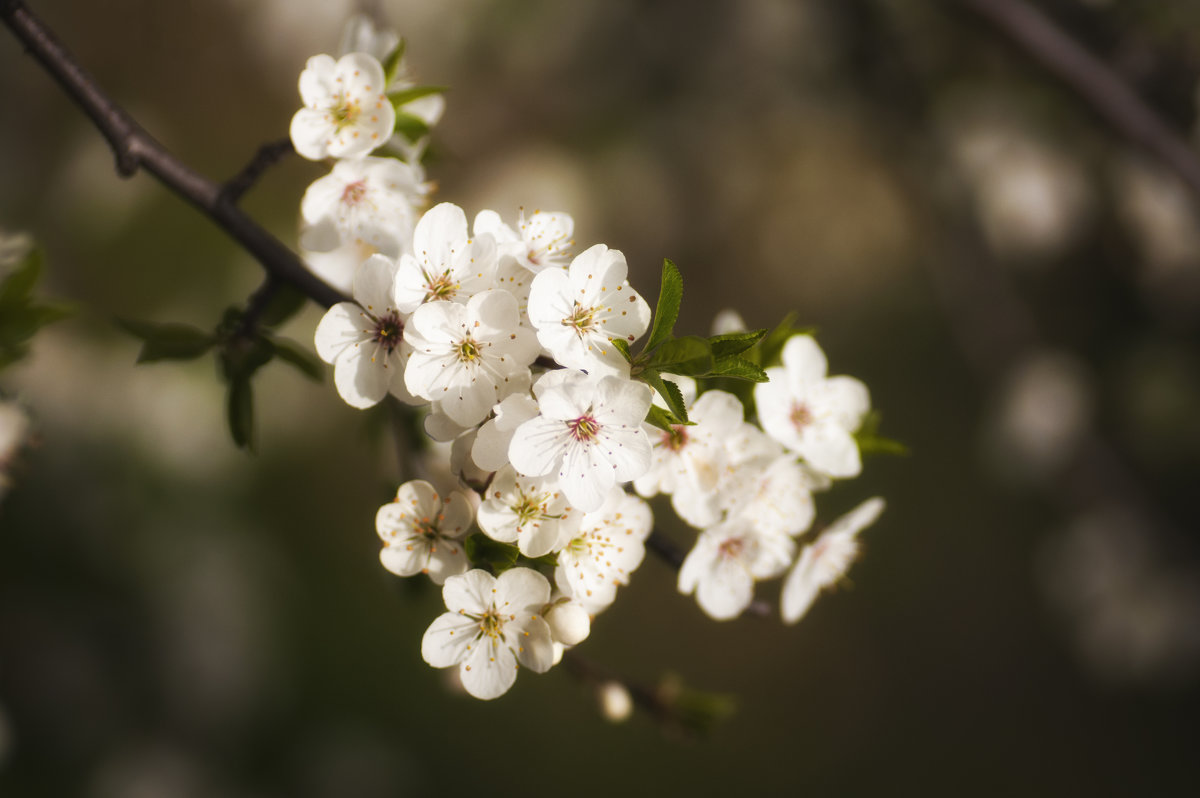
(616, 705)
(569, 622)
(728, 321)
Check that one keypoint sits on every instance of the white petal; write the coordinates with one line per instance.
(804, 361)
(361, 375)
(446, 641)
(831, 450)
(373, 283)
(537, 446)
(535, 644)
(471, 592)
(519, 588)
(342, 326)
(489, 670)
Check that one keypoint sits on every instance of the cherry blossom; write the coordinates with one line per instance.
(726, 561)
(539, 242)
(364, 339)
(494, 625)
(589, 431)
(346, 113)
(577, 312)
(826, 560)
(422, 533)
(811, 414)
(445, 264)
(468, 357)
(371, 201)
(608, 547)
(529, 511)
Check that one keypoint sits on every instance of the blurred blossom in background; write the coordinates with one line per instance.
(1018, 284)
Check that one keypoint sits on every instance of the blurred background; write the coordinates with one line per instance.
(1018, 284)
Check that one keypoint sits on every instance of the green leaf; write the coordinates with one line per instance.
(283, 304)
(297, 356)
(738, 368)
(391, 64)
(484, 552)
(661, 418)
(410, 126)
(871, 442)
(19, 283)
(241, 412)
(168, 341)
(670, 393)
(770, 350)
(405, 96)
(622, 347)
(688, 356)
(734, 343)
(18, 323)
(670, 294)
(696, 712)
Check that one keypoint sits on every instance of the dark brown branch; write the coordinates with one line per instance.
(136, 149)
(267, 155)
(1093, 80)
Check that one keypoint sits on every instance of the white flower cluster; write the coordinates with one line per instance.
(522, 356)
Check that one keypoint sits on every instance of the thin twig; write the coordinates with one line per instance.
(267, 155)
(136, 149)
(1093, 80)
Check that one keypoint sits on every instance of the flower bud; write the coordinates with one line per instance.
(569, 622)
(616, 705)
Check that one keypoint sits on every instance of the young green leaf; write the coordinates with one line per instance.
(623, 348)
(669, 391)
(735, 343)
(300, 358)
(738, 368)
(484, 552)
(240, 405)
(391, 64)
(410, 126)
(670, 294)
(661, 418)
(168, 341)
(403, 96)
(688, 356)
(19, 283)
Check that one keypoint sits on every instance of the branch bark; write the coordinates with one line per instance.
(1094, 81)
(135, 149)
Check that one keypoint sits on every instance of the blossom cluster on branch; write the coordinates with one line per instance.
(524, 354)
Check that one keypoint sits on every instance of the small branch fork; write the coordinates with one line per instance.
(135, 150)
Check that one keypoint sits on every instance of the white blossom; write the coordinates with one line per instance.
(493, 626)
(364, 339)
(826, 560)
(589, 431)
(577, 312)
(811, 414)
(528, 511)
(345, 113)
(570, 623)
(445, 262)
(774, 495)
(608, 547)
(468, 357)
(690, 462)
(727, 560)
(491, 445)
(422, 533)
(371, 201)
(539, 242)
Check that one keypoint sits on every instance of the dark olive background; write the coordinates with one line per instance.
(180, 618)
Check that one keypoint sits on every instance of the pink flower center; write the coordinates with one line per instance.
(353, 193)
(389, 330)
(676, 439)
(801, 416)
(731, 548)
(583, 428)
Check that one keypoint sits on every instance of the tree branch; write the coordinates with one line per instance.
(267, 155)
(1093, 80)
(136, 149)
